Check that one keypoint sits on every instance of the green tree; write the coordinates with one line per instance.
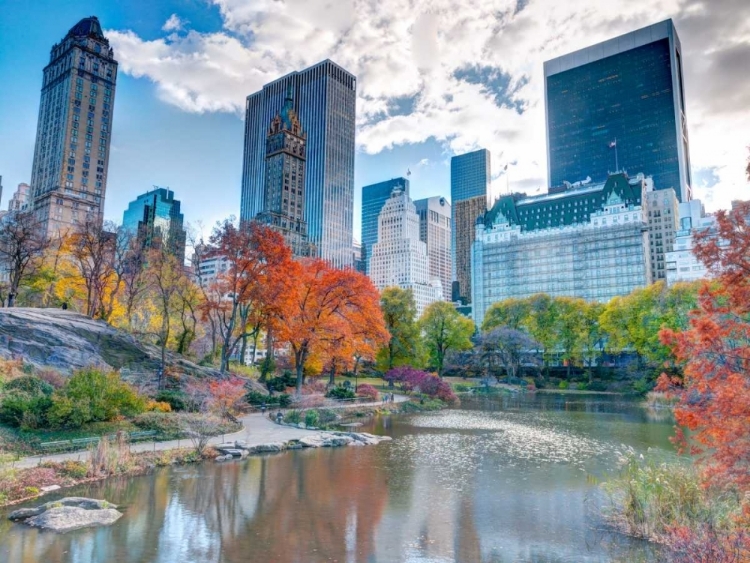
(540, 323)
(399, 312)
(593, 337)
(510, 313)
(569, 328)
(443, 329)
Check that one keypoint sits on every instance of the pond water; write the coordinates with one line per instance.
(498, 480)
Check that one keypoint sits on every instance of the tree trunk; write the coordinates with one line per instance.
(332, 375)
(243, 349)
(299, 361)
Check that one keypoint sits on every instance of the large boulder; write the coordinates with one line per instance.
(70, 513)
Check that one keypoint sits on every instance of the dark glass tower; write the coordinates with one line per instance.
(470, 183)
(155, 219)
(324, 100)
(620, 104)
(374, 197)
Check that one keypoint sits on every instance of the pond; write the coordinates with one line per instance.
(503, 479)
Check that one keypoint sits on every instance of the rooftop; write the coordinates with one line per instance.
(87, 27)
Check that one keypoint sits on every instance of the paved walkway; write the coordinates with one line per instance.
(257, 429)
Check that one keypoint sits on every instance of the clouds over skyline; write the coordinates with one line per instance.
(466, 74)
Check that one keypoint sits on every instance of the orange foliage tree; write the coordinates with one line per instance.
(331, 312)
(714, 395)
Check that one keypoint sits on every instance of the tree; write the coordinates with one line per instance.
(226, 396)
(569, 329)
(540, 324)
(22, 246)
(399, 312)
(510, 313)
(325, 303)
(509, 347)
(593, 337)
(443, 329)
(714, 398)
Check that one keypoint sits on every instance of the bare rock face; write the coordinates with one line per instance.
(70, 513)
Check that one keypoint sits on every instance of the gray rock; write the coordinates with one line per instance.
(301, 425)
(70, 513)
(68, 518)
(268, 448)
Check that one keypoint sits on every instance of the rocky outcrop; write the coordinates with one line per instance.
(66, 341)
(319, 440)
(70, 513)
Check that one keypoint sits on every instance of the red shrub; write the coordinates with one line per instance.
(417, 380)
(367, 390)
(314, 386)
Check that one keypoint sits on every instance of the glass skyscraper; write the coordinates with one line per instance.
(374, 197)
(155, 219)
(470, 183)
(620, 104)
(325, 101)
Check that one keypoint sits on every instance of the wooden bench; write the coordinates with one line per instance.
(144, 435)
(84, 442)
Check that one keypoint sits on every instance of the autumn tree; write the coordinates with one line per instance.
(325, 303)
(399, 312)
(715, 402)
(510, 313)
(540, 323)
(444, 329)
(592, 337)
(569, 329)
(22, 246)
(505, 347)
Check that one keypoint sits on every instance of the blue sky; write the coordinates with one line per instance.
(430, 85)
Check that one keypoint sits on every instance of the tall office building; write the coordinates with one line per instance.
(324, 100)
(284, 202)
(588, 241)
(435, 231)
(71, 156)
(470, 186)
(681, 263)
(155, 219)
(399, 258)
(662, 210)
(620, 104)
(21, 199)
(374, 197)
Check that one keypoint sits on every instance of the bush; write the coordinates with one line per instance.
(417, 380)
(367, 390)
(284, 400)
(314, 387)
(582, 386)
(23, 409)
(540, 383)
(30, 385)
(91, 395)
(177, 400)
(293, 417)
(158, 406)
(564, 385)
(462, 388)
(51, 376)
(311, 418)
(643, 386)
(598, 386)
(288, 379)
(340, 393)
(171, 425)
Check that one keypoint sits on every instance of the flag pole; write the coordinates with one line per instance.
(617, 164)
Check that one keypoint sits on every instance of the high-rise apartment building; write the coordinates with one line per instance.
(21, 199)
(662, 213)
(620, 105)
(155, 219)
(588, 241)
(399, 258)
(71, 155)
(435, 231)
(374, 197)
(470, 186)
(324, 100)
(681, 264)
(284, 201)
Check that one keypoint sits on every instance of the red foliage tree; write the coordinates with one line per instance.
(715, 391)
(413, 379)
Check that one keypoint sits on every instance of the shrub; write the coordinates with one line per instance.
(284, 400)
(54, 378)
(312, 418)
(326, 416)
(177, 400)
(367, 390)
(281, 383)
(91, 395)
(158, 406)
(257, 398)
(340, 393)
(642, 386)
(172, 425)
(417, 380)
(582, 386)
(293, 417)
(598, 386)
(564, 385)
(314, 386)
(540, 383)
(31, 385)
(18, 408)
(462, 388)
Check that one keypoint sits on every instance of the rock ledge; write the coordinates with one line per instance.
(67, 514)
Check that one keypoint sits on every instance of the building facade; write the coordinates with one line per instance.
(284, 201)
(71, 155)
(399, 258)
(435, 231)
(21, 199)
(208, 264)
(325, 102)
(155, 219)
(620, 105)
(470, 186)
(662, 211)
(374, 197)
(681, 263)
(589, 241)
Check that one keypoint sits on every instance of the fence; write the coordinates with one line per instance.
(75, 444)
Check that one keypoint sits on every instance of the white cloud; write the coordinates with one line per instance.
(412, 49)
(174, 23)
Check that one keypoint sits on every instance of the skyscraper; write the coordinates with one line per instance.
(324, 100)
(662, 210)
(21, 199)
(71, 156)
(470, 183)
(155, 219)
(435, 231)
(374, 197)
(284, 202)
(620, 104)
(399, 258)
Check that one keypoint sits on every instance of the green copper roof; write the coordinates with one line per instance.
(562, 206)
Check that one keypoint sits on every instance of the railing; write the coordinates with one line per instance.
(84, 443)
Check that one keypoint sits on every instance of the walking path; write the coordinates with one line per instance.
(257, 429)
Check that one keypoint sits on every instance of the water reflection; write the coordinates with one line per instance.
(496, 481)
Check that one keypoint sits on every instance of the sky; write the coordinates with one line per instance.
(435, 78)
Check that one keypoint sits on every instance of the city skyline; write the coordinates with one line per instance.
(145, 97)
